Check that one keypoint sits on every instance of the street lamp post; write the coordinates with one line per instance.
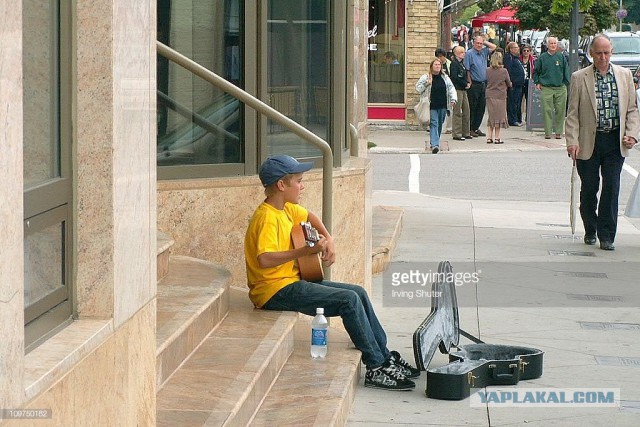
(620, 22)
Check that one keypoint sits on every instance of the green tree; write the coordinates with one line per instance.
(487, 6)
(556, 14)
(633, 7)
(467, 15)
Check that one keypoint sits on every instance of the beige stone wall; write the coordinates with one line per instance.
(112, 386)
(423, 30)
(11, 208)
(208, 219)
(107, 378)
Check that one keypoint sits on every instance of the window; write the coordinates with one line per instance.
(298, 72)
(386, 51)
(280, 51)
(199, 125)
(626, 45)
(46, 157)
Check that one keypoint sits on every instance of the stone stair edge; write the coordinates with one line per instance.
(333, 409)
(239, 414)
(386, 228)
(221, 279)
(163, 242)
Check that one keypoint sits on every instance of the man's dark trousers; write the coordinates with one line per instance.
(607, 161)
(477, 104)
(514, 105)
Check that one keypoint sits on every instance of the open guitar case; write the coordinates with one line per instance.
(471, 366)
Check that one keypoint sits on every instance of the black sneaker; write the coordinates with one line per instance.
(387, 377)
(407, 370)
(435, 150)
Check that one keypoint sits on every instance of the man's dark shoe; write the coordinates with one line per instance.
(473, 134)
(459, 138)
(435, 150)
(387, 377)
(607, 246)
(467, 136)
(407, 370)
(589, 239)
(480, 133)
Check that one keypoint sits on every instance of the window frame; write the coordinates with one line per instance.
(254, 81)
(50, 202)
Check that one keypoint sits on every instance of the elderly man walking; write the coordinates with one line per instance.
(551, 75)
(476, 63)
(602, 125)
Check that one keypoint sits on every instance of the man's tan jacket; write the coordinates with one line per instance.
(580, 126)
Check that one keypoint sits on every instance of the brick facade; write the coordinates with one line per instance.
(423, 37)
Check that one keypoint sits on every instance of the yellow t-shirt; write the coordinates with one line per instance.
(270, 231)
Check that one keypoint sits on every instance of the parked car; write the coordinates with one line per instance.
(626, 50)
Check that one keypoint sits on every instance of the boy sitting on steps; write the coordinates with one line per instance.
(275, 283)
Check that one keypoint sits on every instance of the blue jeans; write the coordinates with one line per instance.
(350, 302)
(437, 117)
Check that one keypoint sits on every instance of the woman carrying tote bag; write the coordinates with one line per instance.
(437, 88)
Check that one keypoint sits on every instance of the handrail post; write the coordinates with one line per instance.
(353, 135)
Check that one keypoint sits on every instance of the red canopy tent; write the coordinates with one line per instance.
(504, 16)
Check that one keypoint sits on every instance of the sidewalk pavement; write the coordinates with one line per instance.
(538, 287)
(390, 140)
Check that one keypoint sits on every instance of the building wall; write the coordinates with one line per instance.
(101, 369)
(423, 30)
(11, 232)
(357, 71)
(207, 219)
(422, 37)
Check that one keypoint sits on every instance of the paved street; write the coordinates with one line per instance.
(502, 212)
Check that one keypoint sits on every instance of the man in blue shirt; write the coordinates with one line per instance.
(476, 61)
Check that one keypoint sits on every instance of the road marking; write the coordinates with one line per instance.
(632, 171)
(414, 174)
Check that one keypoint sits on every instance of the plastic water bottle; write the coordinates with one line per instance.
(319, 329)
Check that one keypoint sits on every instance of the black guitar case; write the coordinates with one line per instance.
(471, 366)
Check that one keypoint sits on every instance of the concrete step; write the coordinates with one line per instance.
(192, 299)
(385, 230)
(164, 244)
(313, 392)
(226, 378)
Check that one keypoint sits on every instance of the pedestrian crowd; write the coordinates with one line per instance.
(600, 111)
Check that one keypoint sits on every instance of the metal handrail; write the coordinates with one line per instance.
(275, 115)
(194, 117)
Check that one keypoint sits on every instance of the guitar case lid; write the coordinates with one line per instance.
(441, 329)
(471, 366)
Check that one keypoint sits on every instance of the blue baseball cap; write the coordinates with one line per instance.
(275, 167)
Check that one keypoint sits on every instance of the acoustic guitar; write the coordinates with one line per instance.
(310, 266)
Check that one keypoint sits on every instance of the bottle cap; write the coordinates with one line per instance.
(319, 310)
